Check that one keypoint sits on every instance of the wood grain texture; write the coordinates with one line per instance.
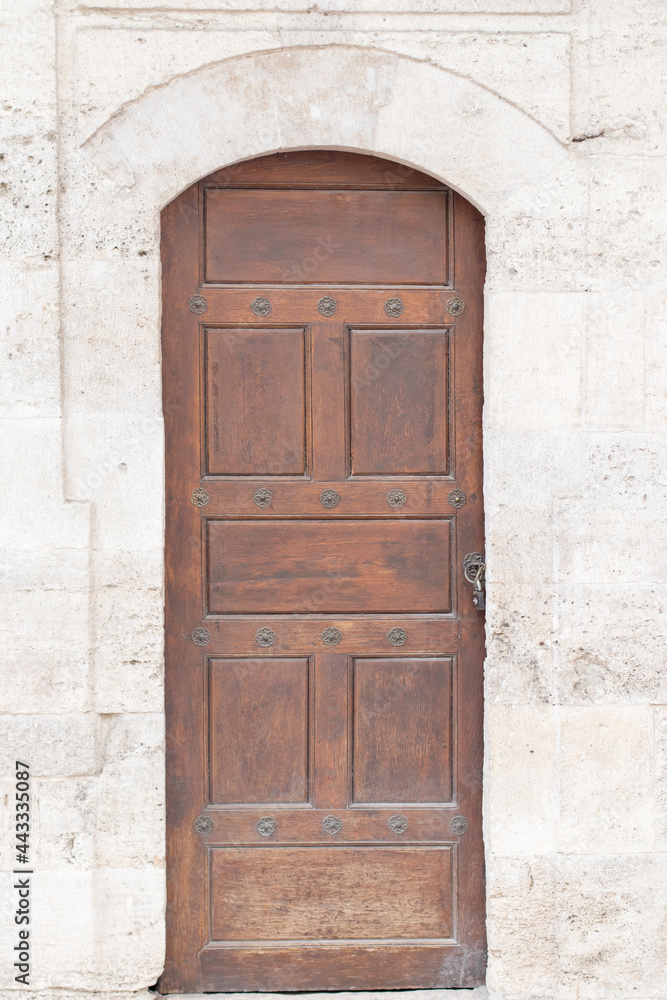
(353, 567)
(296, 731)
(402, 722)
(331, 893)
(342, 237)
(399, 402)
(255, 402)
(259, 730)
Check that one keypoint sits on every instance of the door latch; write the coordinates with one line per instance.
(474, 566)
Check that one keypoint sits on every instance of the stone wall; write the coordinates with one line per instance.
(550, 116)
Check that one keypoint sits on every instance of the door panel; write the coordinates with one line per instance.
(323, 653)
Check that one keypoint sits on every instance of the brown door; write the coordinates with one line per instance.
(322, 349)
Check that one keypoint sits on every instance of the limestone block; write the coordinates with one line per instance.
(129, 819)
(28, 188)
(661, 776)
(627, 242)
(45, 643)
(530, 70)
(519, 667)
(412, 6)
(30, 373)
(53, 744)
(520, 549)
(130, 939)
(522, 931)
(116, 459)
(128, 616)
(527, 244)
(612, 642)
(613, 393)
(622, 61)
(607, 779)
(655, 358)
(27, 50)
(601, 534)
(533, 350)
(612, 912)
(63, 823)
(521, 781)
(105, 324)
(63, 929)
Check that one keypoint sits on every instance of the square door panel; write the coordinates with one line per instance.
(306, 566)
(334, 893)
(259, 730)
(402, 730)
(255, 402)
(399, 407)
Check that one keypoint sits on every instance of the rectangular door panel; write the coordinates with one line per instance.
(300, 566)
(357, 237)
(255, 402)
(259, 730)
(335, 893)
(402, 730)
(399, 408)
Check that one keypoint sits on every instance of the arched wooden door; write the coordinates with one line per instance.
(322, 351)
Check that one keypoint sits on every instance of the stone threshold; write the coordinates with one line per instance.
(479, 993)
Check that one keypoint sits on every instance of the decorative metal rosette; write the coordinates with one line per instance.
(397, 823)
(265, 637)
(457, 498)
(266, 826)
(198, 304)
(397, 636)
(263, 497)
(396, 498)
(393, 308)
(260, 306)
(203, 825)
(331, 637)
(455, 306)
(326, 306)
(458, 825)
(332, 825)
(329, 498)
(200, 497)
(201, 637)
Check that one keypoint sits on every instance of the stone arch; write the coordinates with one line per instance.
(341, 97)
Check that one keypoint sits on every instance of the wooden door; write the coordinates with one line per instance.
(322, 350)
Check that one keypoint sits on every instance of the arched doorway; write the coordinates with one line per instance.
(322, 341)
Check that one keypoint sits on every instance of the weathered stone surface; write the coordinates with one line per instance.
(606, 785)
(522, 780)
(521, 634)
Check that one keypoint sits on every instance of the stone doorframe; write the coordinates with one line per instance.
(530, 187)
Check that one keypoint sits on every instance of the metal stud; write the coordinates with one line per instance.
(331, 637)
(396, 498)
(326, 306)
(265, 637)
(260, 306)
(201, 637)
(266, 826)
(455, 306)
(458, 825)
(393, 308)
(332, 825)
(329, 498)
(263, 497)
(198, 304)
(397, 636)
(203, 825)
(457, 499)
(397, 823)
(200, 498)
